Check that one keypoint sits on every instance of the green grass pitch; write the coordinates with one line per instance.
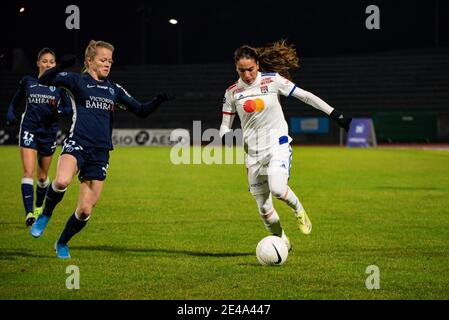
(162, 231)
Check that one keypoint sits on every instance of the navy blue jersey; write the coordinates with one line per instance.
(94, 103)
(42, 105)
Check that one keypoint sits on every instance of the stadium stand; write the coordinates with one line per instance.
(358, 85)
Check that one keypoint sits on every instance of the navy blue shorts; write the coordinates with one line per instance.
(43, 142)
(92, 162)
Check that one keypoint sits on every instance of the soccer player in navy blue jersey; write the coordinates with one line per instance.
(86, 150)
(38, 129)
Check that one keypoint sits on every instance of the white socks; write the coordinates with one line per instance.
(268, 214)
(290, 198)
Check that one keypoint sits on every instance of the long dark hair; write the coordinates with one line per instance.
(277, 57)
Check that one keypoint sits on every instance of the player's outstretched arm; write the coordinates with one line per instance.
(342, 121)
(314, 101)
(49, 75)
(142, 110)
(64, 105)
(11, 118)
(149, 107)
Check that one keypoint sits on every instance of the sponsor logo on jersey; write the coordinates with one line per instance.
(52, 88)
(42, 99)
(266, 81)
(63, 74)
(100, 103)
(255, 105)
(111, 90)
(264, 89)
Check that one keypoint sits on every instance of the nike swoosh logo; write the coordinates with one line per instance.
(89, 86)
(26, 197)
(277, 253)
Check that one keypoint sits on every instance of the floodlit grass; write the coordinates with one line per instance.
(164, 231)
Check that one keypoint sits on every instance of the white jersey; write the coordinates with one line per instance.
(258, 106)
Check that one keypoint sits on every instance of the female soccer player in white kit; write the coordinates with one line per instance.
(254, 97)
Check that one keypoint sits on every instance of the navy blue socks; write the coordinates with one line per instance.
(54, 196)
(41, 191)
(72, 227)
(27, 194)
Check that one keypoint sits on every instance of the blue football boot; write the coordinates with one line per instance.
(62, 251)
(39, 225)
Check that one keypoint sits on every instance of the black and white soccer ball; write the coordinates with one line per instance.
(271, 251)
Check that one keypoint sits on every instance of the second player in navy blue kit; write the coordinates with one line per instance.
(38, 129)
(86, 150)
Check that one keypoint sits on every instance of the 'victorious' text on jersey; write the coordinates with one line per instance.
(42, 104)
(93, 107)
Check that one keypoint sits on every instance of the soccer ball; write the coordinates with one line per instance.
(272, 250)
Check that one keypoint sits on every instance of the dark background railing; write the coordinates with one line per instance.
(358, 85)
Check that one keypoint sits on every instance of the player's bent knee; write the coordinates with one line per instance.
(42, 178)
(266, 207)
(278, 185)
(61, 183)
(278, 191)
(29, 174)
(264, 202)
(85, 215)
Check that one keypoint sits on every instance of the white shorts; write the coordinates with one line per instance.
(276, 162)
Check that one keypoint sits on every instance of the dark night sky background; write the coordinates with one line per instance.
(211, 31)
